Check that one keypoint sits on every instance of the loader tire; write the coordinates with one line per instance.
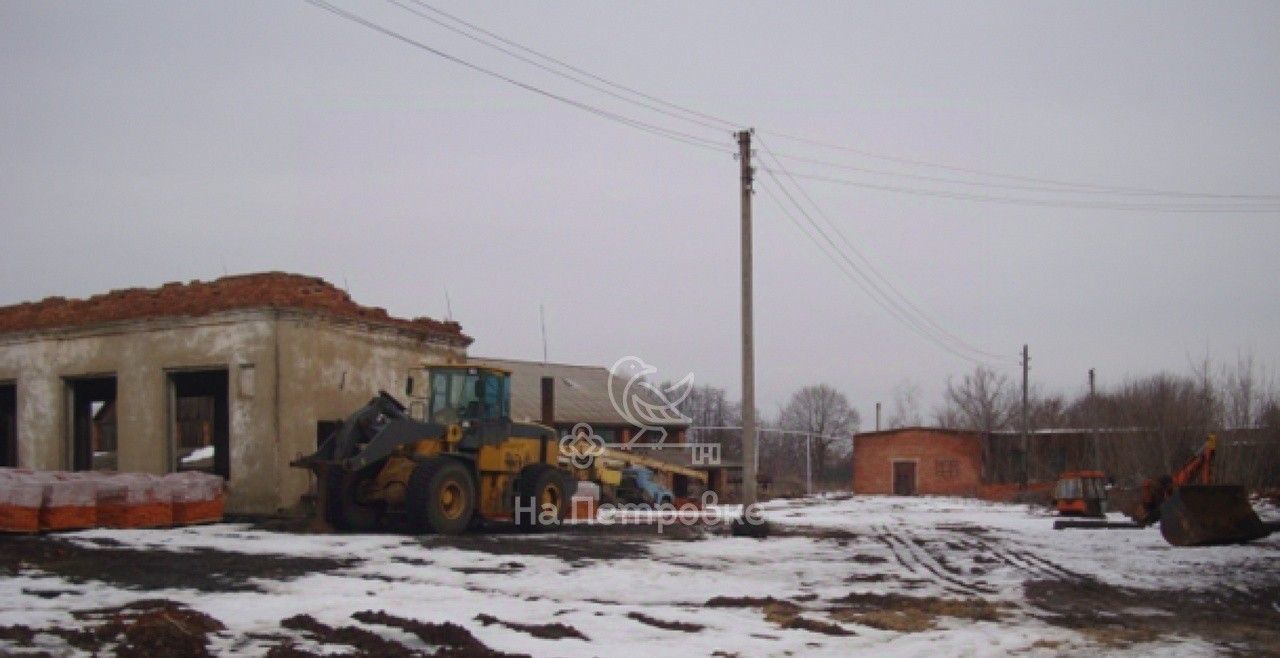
(345, 511)
(441, 497)
(543, 497)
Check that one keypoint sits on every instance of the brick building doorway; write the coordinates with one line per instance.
(8, 425)
(93, 423)
(201, 421)
(904, 478)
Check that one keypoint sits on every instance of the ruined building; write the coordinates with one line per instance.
(236, 376)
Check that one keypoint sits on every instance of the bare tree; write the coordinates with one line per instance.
(1146, 426)
(1243, 392)
(709, 407)
(984, 401)
(1047, 410)
(825, 413)
(906, 406)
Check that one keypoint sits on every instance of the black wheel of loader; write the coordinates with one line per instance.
(441, 497)
(345, 511)
(543, 497)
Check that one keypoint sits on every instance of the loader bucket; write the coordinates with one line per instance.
(1205, 515)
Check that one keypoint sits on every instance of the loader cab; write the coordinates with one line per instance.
(468, 393)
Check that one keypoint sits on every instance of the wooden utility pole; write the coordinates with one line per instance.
(877, 416)
(749, 448)
(1026, 443)
(542, 319)
(1093, 422)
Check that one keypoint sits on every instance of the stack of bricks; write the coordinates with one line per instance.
(20, 497)
(69, 501)
(197, 497)
(34, 501)
(135, 500)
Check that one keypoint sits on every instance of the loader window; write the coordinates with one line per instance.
(458, 395)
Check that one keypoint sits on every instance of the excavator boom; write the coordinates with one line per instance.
(1194, 512)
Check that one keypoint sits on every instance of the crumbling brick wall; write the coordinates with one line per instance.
(199, 298)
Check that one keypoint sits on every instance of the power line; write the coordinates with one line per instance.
(1010, 186)
(846, 267)
(675, 135)
(725, 123)
(869, 265)
(1026, 179)
(532, 62)
(704, 119)
(1048, 203)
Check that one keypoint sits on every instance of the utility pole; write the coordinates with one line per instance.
(1093, 422)
(1026, 444)
(542, 318)
(877, 416)
(749, 449)
(808, 464)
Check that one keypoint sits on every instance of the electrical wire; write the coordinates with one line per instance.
(830, 250)
(552, 70)
(1046, 203)
(1118, 189)
(725, 123)
(675, 135)
(912, 308)
(1010, 186)
(706, 119)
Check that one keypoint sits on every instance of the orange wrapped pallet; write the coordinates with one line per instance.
(68, 500)
(197, 497)
(134, 500)
(20, 496)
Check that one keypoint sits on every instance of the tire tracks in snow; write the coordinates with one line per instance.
(918, 560)
(1027, 563)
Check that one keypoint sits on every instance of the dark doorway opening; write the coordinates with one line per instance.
(8, 425)
(680, 485)
(201, 421)
(325, 429)
(94, 445)
(904, 478)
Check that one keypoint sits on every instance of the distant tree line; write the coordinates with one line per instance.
(1142, 426)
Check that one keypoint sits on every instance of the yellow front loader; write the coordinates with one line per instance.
(465, 461)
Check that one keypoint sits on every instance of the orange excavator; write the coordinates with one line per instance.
(1192, 511)
(1081, 493)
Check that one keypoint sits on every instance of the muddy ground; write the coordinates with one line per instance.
(1236, 620)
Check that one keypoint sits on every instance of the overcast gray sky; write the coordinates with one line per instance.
(144, 142)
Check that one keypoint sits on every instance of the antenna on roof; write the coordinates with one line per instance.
(542, 317)
(448, 306)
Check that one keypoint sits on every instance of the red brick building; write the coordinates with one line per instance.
(918, 461)
(935, 461)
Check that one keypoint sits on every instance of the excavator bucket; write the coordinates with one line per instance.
(1205, 515)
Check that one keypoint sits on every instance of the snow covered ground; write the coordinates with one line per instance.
(842, 576)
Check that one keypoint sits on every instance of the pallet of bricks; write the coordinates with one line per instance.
(38, 501)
